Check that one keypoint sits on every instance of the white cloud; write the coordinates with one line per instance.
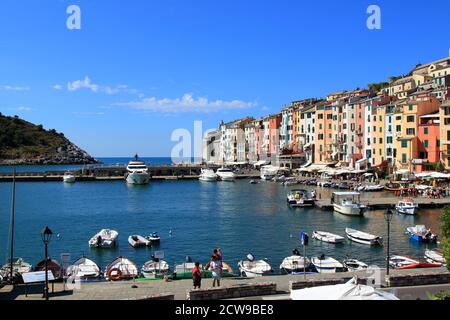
(13, 88)
(57, 87)
(187, 103)
(82, 84)
(87, 83)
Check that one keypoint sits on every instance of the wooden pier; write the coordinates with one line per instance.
(389, 202)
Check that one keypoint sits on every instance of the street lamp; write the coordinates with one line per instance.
(46, 235)
(388, 215)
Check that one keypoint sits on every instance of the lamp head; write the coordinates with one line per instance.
(46, 235)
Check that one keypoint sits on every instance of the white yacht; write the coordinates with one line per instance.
(346, 203)
(268, 173)
(226, 174)
(69, 177)
(208, 175)
(137, 172)
(407, 206)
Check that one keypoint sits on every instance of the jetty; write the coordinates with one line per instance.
(389, 203)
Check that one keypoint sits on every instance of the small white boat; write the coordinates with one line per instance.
(69, 177)
(226, 174)
(121, 269)
(137, 172)
(363, 237)
(106, 238)
(84, 268)
(407, 206)
(294, 264)
(346, 203)
(154, 237)
(137, 241)
(252, 268)
(268, 173)
(327, 265)
(208, 175)
(355, 265)
(434, 256)
(327, 237)
(155, 269)
(373, 188)
(300, 199)
(404, 262)
(19, 267)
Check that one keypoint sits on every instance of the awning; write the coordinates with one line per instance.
(261, 163)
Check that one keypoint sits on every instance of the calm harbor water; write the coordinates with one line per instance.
(238, 217)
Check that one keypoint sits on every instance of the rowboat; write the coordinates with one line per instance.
(403, 262)
(19, 267)
(155, 269)
(327, 237)
(53, 266)
(435, 256)
(121, 269)
(363, 237)
(84, 268)
(327, 265)
(137, 241)
(252, 268)
(355, 265)
(106, 238)
(294, 264)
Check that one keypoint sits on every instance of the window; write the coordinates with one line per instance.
(448, 135)
(404, 144)
(381, 140)
(398, 128)
(410, 119)
(404, 158)
(411, 107)
(411, 132)
(389, 140)
(438, 143)
(425, 131)
(425, 143)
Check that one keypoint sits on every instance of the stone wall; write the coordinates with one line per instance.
(441, 276)
(309, 283)
(238, 291)
(162, 296)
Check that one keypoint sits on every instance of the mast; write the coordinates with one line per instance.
(12, 225)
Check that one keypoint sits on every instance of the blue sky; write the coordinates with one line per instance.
(139, 69)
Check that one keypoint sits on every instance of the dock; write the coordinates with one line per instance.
(389, 202)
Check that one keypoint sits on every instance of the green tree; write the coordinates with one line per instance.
(445, 234)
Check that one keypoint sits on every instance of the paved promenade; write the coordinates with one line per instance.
(125, 290)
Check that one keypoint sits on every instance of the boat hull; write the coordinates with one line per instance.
(138, 178)
(407, 211)
(349, 211)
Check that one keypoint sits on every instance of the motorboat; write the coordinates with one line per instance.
(106, 238)
(137, 172)
(226, 174)
(269, 173)
(328, 237)
(392, 186)
(19, 267)
(52, 265)
(435, 256)
(363, 237)
(137, 241)
(253, 182)
(407, 206)
(252, 268)
(421, 233)
(373, 188)
(295, 264)
(354, 265)
(84, 268)
(281, 178)
(154, 237)
(348, 203)
(208, 175)
(155, 269)
(121, 269)
(300, 198)
(327, 265)
(69, 177)
(404, 262)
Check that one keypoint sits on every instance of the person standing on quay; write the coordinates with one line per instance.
(216, 269)
(197, 276)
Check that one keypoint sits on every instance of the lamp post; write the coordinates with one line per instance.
(46, 235)
(388, 215)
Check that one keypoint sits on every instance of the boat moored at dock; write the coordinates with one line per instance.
(363, 237)
(84, 268)
(300, 198)
(353, 265)
(328, 237)
(69, 177)
(435, 256)
(407, 206)
(421, 233)
(54, 266)
(295, 264)
(121, 269)
(137, 172)
(155, 269)
(404, 262)
(208, 175)
(226, 174)
(252, 268)
(348, 203)
(106, 238)
(327, 265)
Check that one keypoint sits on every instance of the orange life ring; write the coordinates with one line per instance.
(117, 274)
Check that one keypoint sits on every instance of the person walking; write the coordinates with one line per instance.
(197, 276)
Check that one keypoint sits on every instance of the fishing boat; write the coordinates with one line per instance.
(69, 177)
(106, 238)
(393, 187)
(53, 266)
(19, 267)
(407, 206)
(421, 233)
(300, 198)
(348, 203)
(327, 265)
(435, 256)
(327, 237)
(137, 241)
(295, 264)
(121, 269)
(155, 269)
(226, 174)
(363, 237)
(137, 172)
(404, 262)
(354, 265)
(154, 237)
(84, 268)
(208, 175)
(252, 268)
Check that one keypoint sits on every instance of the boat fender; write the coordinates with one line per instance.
(114, 274)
